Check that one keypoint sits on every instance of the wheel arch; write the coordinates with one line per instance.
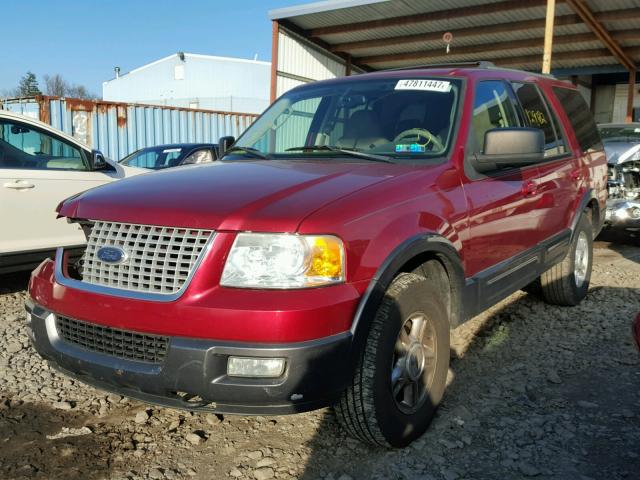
(588, 202)
(407, 257)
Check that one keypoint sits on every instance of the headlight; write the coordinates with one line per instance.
(267, 260)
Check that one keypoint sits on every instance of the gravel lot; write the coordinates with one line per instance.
(535, 391)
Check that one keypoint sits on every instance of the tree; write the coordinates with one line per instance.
(9, 92)
(57, 86)
(79, 91)
(28, 85)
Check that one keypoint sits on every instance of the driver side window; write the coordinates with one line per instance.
(494, 107)
(25, 147)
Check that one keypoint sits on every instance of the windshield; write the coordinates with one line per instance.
(155, 158)
(626, 134)
(388, 119)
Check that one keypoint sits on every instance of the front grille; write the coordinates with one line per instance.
(112, 341)
(158, 259)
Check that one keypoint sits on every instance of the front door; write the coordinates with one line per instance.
(37, 171)
(502, 222)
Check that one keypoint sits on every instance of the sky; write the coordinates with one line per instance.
(83, 40)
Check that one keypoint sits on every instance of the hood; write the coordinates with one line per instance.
(621, 152)
(239, 195)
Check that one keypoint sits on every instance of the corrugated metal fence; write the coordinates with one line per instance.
(117, 129)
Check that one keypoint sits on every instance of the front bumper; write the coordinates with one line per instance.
(193, 373)
(623, 213)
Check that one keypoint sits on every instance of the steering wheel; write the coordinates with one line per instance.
(420, 133)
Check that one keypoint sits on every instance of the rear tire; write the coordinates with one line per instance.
(401, 374)
(567, 282)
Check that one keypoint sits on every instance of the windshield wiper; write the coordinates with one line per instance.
(250, 150)
(346, 151)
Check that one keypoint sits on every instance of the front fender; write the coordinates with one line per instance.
(395, 232)
(420, 244)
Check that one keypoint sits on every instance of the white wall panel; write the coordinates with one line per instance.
(299, 59)
(285, 84)
(603, 108)
(620, 102)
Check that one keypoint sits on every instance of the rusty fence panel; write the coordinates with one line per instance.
(118, 129)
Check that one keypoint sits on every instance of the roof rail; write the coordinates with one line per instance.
(479, 64)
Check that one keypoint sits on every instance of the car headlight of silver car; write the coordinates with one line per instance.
(279, 260)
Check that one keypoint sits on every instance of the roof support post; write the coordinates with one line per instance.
(631, 95)
(275, 35)
(548, 36)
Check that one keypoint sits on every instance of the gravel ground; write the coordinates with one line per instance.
(535, 391)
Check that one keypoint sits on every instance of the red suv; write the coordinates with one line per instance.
(324, 259)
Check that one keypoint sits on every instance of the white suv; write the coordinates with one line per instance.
(39, 167)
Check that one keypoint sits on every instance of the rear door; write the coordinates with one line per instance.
(591, 163)
(37, 171)
(558, 175)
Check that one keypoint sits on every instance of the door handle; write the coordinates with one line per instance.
(19, 185)
(529, 188)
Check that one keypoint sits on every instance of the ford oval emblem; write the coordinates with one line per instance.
(113, 255)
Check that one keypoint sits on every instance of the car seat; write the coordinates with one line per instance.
(362, 131)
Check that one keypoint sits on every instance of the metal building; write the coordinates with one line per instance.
(190, 80)
(594, 43)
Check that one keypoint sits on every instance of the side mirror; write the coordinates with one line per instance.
(510, 147)
(223, 145)
(98, 161)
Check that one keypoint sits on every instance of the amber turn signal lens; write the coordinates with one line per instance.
(326, 258)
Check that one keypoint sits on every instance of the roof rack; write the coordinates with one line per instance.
(479, 64)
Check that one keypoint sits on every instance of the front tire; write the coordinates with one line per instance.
(401, 375)
(567, 282)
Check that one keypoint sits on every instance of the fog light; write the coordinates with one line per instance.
(255, 367)
(635, 213)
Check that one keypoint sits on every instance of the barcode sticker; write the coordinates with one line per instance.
(427, 85)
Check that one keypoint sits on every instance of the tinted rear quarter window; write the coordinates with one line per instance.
(539, 115)
(580, 118)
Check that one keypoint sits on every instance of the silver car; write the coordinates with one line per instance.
(622, 146)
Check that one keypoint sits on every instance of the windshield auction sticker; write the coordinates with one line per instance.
(424, 84)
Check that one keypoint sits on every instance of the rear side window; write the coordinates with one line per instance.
(494, 107)
(538, 115)
(580, 118)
